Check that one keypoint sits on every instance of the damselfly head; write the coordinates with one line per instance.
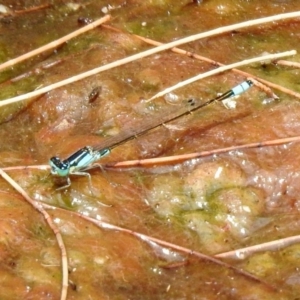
(58, 167)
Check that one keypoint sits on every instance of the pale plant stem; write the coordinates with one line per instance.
(276, 245)
(38, 206)
(31, 9)
(215, 63)
(148, 239)
(53, 44)
(285, 63)
(175, 158)
(268, 91)
(180, 158)
(168, 90)
(160, 48)
(35, 167)
(220, 70)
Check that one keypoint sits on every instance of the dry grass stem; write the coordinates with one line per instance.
(286, 63)
(46, 65)
(132, 58)
(263, 86)
(13, 13)
(179, 158)
(270, 246)
(23, 168)
(160, 48)
(220, 70)
(54, 228)
(176, 158)
(277, 87)
(32, 9)
(149, 239)
(54, 44)
(35, 71)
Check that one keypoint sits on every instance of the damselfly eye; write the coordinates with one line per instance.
(58, 167)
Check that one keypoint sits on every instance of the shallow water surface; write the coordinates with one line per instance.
(213, 205)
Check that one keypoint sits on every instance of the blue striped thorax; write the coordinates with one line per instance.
(79, 161)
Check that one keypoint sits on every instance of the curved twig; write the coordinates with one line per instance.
(147, 239)
(269, 246)
(54, 228)
(180, 158)
(220, 70)
(160, 48)
(215, 63)
(175, 158)
(54, 44)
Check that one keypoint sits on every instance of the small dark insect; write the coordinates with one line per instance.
(84, 21)
(94, 94)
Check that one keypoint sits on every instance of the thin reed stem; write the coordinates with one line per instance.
(38, 206)
(276, 245)
(264, 83)
(148, 239)
(146, 53)
(220, 70)
(53, 44)
(180, 158)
